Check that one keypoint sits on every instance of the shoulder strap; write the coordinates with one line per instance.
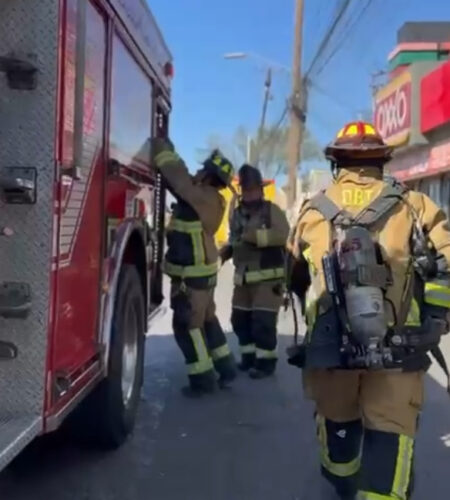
(330, 211)
(389, 197)
(236, 219)
(267, 213)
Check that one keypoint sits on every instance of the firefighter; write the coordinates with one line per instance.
(258, 234)
(192, 264)
(378, 259)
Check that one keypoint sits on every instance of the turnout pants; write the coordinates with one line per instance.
(199, 335)
(366, 424)
(254, 320)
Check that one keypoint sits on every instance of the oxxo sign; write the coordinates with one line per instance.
(393, 110)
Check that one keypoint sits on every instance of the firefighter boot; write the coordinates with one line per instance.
(263, 368)
(347, 493)
(221, 355)
(226, 368)
(200, 385)
(247, 361)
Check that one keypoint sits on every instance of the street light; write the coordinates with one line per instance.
(267, 63)
(235, 55)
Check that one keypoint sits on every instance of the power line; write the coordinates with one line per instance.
(319, 20)
(278, 125)
(337, 100)
(329, 34)
(350, 27)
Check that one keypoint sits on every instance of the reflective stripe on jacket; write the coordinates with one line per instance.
(186, 255)
(192, 253)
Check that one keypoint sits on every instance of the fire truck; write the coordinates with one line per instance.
(84, 86)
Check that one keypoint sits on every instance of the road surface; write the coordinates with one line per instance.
(255, 442)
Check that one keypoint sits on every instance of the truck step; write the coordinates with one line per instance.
(15, 300)
(17, 429)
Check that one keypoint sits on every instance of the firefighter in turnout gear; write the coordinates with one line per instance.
(192, 264)
(377, 257)
(258, 235)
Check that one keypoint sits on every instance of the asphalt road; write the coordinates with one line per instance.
(254, 442)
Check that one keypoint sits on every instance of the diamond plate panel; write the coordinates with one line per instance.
(27, 137)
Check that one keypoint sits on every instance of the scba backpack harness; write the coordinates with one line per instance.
(357, 279)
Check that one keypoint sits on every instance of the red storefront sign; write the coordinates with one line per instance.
(393, 110)
(435, 98)
(424, 163)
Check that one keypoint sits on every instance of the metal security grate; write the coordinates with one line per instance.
(28, 28)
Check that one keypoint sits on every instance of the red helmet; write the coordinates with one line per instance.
(358, 141)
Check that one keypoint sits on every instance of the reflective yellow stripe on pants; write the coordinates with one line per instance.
(402, 477)
(220, 352)
(248, 349)
(204, 362)
(403, 468)
(264, 275)
(342, 469)
(200, 271)
(265, 354)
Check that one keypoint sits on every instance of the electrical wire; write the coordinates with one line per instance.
(350, 27)
(319, 17)
(337, 100)
(278, 125)
(340, 14)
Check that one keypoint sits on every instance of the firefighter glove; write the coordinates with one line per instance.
(160, 147)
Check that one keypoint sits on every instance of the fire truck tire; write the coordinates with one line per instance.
(109, 413)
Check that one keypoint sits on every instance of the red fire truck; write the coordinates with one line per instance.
(84, 85)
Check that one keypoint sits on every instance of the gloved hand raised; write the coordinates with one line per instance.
(160, 145)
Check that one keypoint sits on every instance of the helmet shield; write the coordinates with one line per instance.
(358, 142)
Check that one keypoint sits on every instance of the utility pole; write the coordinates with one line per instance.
(268, 86)
(297, 104)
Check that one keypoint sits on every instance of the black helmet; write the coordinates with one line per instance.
(250, 177)
(220, 167)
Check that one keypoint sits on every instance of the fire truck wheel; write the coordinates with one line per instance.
(109, 413)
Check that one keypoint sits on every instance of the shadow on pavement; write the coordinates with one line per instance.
(254, 442)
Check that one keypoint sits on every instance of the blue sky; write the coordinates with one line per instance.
(213, 96)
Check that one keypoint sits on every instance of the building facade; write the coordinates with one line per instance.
(412, 111)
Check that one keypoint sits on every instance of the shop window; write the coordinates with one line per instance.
(446, 194)
(69, 83)
(131, 109)
(435, 190)
(438, 189)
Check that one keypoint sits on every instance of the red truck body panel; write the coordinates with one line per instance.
(102, 91)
